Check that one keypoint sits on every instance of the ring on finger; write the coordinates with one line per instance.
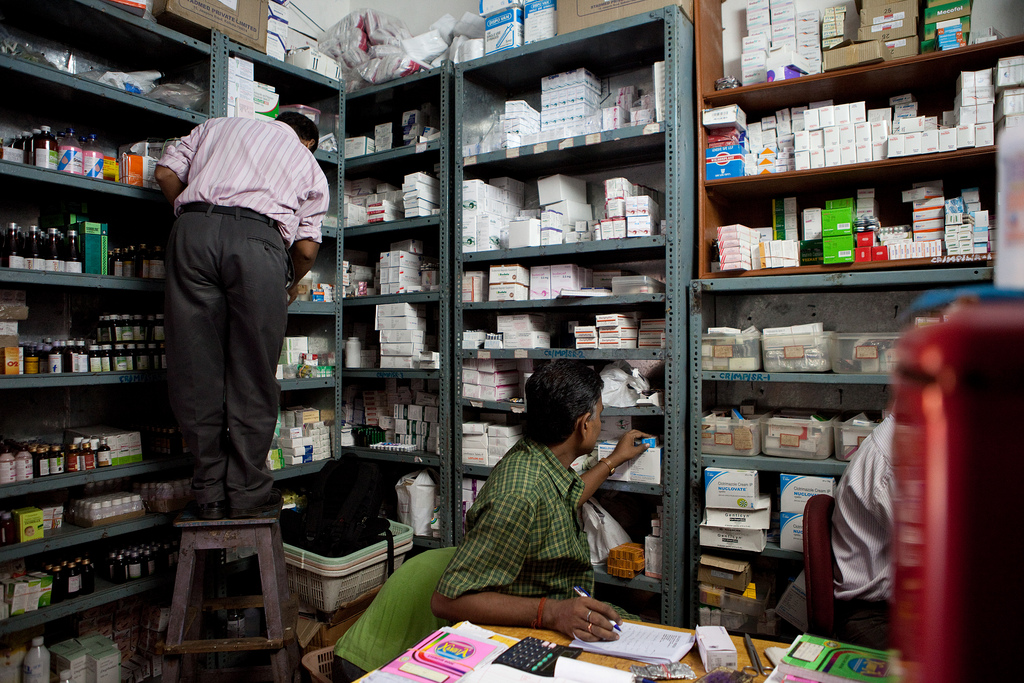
(590, 628)
(589, 611)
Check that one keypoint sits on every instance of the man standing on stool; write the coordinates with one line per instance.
(250, 199)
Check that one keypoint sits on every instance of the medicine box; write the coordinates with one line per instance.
(731, 436)
(28, 522)
(557, 188)
(791, 531)
(724, 162)
(864, 353)
(759, 517)
(805, 438)
(797, 489)
(798, 352)
(737, 352)
(849, 435)
(503, 30)
(730, 488)
(751, 540)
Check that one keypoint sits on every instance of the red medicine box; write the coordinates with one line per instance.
(862, 254)
(866, 239)
(880, 253)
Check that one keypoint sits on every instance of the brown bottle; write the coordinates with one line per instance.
(87, 457)
(71, 460)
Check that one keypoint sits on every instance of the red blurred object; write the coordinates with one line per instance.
(957, 603)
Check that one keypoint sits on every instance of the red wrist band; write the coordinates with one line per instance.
(540, 613)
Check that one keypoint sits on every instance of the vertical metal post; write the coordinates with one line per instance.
(692, 511)
(339, 273)
(218, 105)
(458, 324)
(445, 447)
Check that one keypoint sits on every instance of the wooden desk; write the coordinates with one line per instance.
(692, 657)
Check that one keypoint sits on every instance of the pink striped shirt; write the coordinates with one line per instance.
(252, 164)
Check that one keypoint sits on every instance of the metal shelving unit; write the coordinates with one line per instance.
(364, 109)
(70, 535)
(63, 481)
(79, 379)
(795, 377)
(624, 50)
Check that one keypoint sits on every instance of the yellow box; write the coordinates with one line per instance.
(30, 524)
(13, 359)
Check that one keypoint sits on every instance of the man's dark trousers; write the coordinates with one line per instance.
(226, 309)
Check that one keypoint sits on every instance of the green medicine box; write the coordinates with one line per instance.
(835, 222)
(812, 252)
(847, 203)
(838, 249)
(94, 247)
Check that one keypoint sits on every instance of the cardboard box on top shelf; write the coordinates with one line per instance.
(246, 24)
(851, 53)
(576, 14)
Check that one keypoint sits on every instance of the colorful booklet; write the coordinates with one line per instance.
(441, 657)
(829, 661)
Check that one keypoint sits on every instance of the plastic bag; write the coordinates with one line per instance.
(416, 493)
(623, 385)
(138, 82)
(384, 69)
(470, 25)
(181, 95)
(349, 41)
(603, 532)
(445, 26)
(425, 47)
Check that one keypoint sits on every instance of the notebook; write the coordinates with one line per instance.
(643, 644)
(441, 657)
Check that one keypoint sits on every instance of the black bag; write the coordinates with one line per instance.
(342, 512)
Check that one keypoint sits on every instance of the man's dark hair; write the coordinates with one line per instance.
(556, 396)
(303, 127)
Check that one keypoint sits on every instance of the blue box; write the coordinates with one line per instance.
(503, 30)
(724, 162)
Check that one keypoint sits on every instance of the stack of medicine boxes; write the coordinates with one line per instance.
(946, 24)
(564, 205)
(629, 211)
(524, 331)
(568, 98)
(1009, 82)
(833, 26)
(617, 331)
(520, 119)
(385, 205)
(490, 380)
(402, 329)
(652, 546)
(420, 195)
(416, 425)
(643, 469)
(400, 268)
(796, 490)
(487, 208)
(737, 515)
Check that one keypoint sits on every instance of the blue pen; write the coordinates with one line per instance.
(584, 594)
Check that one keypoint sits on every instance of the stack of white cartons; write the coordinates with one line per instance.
(808, 37)
(356, 192)
(383, 137)
(1009, 82)
(508, 283)
(415, 425)
(736, 515)
(474, 286)
(796, 490)
(415, 122)
(586, 336)
(643, 216)
(420, 195)
(524, 331)
(520, 119)
(839, 134)
(833, 26)
(967, 225)
(651, 334)
(617, 115)
(500, 440)
(736, 246)
(292, 351)
(320, 433)
(474, 443)
(487, 209)
(241, 88)
(754, 59)
(398, 325)
(617, 331)
(278, 15)
(652, 545)
(385, 204)
(400, 272)
(783, 19)
(928, 204)
(975, 105)
(490, 379)
(569, 98)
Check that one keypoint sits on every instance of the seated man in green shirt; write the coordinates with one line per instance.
(525, 548)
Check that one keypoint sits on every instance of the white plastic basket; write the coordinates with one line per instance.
(330, 583)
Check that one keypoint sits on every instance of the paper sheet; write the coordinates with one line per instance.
(643, 643)
(585, 672)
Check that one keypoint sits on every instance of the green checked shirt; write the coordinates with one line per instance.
(524, 535)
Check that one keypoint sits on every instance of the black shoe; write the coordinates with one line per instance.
(213, 511)
(273, 504)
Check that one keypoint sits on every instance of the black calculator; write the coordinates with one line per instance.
(536, 656)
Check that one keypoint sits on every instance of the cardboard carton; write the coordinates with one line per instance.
(850, 53)
(576, 14)
(724, 572)
(246, 24)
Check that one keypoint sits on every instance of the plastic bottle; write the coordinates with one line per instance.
(44, 149)
(92, 157)
(7, 468)
(70, 153)
(65, 676)
(36, 667)
(23, 466)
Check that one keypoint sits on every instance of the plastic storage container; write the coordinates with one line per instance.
(729, 436)
(715, 596)
(310, 113)
(864, 353)
(736, 352)
(636, 284)
(848, 437)
(798, 352)
(330, 583)
(805, 438)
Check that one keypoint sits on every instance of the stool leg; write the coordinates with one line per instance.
(180, 602)
(268, 548)
(194, 614)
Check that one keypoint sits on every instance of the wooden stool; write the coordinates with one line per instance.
(184, 639)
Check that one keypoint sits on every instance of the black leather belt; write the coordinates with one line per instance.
(236, 211)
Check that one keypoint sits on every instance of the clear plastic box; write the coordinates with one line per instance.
(798, 352)
(804, 438)
(864, 353)
(727, 600)
(729, 436)
(735, 352)
(848, 437)
(636, 284)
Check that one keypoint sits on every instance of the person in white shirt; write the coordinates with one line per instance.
(862, 541)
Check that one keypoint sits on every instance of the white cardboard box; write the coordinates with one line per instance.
(797, 489)
(752, 540)
(730, 488)
(791, 527)
(716, 647)
(557, 188)
(759, 517)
